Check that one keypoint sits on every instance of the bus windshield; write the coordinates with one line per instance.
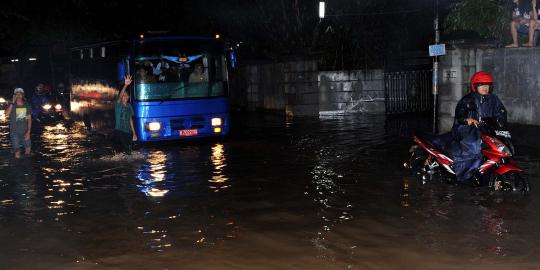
(179, 69)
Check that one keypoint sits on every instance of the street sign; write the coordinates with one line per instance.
(437, 50)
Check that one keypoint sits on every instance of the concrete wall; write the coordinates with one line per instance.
(289, 87)
(297, 88)
(351, 91)
(264, 89)
(455, 71)
(516, 74)
(300, 88)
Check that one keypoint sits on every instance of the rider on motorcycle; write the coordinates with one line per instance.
(479, 103)
(40, 97)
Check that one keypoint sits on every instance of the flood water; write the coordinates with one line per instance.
(277, 194)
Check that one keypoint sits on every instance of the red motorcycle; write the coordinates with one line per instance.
(498, 169)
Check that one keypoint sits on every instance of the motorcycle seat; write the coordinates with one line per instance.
(443, 142)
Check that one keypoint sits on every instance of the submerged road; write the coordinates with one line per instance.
(277, 194)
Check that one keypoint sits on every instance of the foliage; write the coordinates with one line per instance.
(488, 18)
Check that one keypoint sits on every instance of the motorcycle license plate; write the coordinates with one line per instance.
(188, 132)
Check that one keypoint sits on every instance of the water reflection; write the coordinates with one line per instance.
(219, 179)
(327, 192)
(496, 227)
(405, 193)
(151, 174)
(61, 146)
(227, 199)
(4, 134)
(444, 210)
(21, 195)
(158, 238)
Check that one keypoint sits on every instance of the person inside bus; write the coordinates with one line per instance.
(161, 70)
(182, 70)
(144, 75)
(198, 75)
(171, 74)
(124, 130)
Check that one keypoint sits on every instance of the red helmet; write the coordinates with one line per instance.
(479, 78)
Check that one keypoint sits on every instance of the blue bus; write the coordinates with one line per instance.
(180, 87)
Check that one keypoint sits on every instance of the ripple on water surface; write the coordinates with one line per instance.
(315, 193)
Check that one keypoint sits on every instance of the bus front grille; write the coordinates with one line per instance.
(197, 119)
(177, 124)
(196, 123)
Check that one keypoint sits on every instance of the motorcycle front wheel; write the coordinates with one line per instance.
(511, 182)
(417, 159)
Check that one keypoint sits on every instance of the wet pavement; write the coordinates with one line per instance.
(277, 194)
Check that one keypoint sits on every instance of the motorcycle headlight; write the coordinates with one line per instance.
(46, 107)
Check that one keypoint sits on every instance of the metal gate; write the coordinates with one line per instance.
(408, 91)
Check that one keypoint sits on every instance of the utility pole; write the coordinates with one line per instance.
(435, 76)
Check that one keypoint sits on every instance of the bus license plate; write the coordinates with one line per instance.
(188, 132)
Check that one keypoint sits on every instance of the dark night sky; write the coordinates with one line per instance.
(269, 28)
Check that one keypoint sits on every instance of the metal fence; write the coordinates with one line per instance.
(408, 91)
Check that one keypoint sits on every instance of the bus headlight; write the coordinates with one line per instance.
(217, 121)
(154, 126)
(46, 107)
